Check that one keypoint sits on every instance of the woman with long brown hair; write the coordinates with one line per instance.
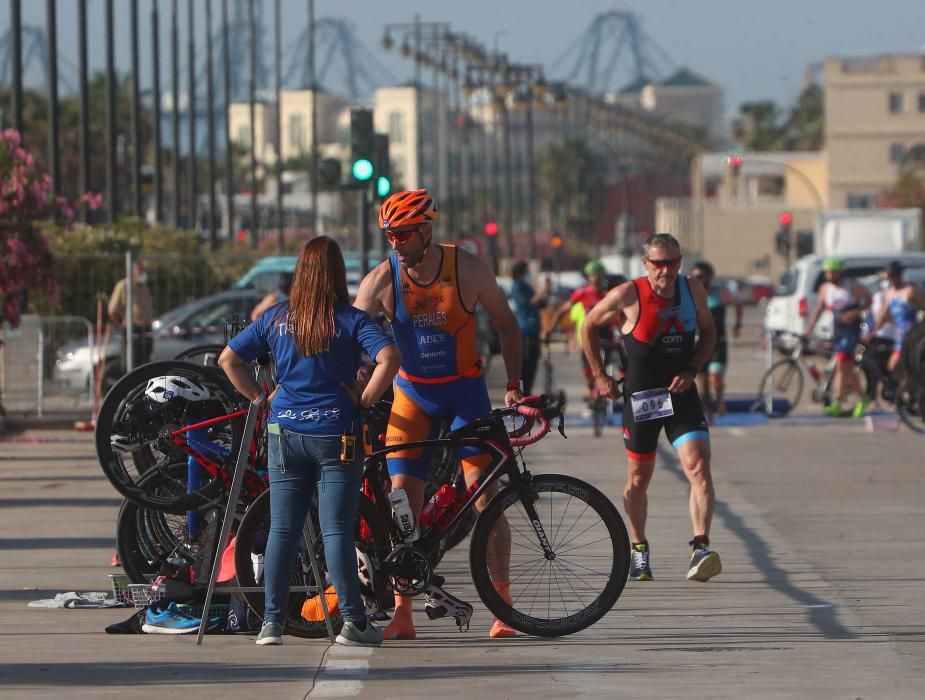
(317, 340)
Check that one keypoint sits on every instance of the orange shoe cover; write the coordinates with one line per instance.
(312, 610)
(400, 628)
(402, 624)
(500, 630)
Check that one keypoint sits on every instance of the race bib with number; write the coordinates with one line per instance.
(651, 404)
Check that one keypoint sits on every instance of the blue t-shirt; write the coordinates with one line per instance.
(528, 313)
(311, 399)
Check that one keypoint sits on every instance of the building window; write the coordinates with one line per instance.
(897, 153)
(396, 127)
(922, 102)
(896, 102)
(244, 135)
(297, 140)
(861, 201)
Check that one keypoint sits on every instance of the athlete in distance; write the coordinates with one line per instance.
(663, 313)
(429, 293)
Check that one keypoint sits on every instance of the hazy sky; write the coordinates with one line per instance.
(753, 49)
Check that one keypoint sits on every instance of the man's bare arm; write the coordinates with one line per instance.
(600, 316)
(374, 290)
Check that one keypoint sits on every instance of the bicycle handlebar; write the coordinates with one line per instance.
(524, 435)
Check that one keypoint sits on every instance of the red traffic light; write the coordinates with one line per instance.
(735, 161)
(785, 218)
(491, 228)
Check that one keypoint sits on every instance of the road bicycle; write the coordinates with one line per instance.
(569, 558)
(785, 378)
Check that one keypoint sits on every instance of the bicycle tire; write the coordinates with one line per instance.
(787, 378)
(251, 539)
(554, 494)
(126, 411)
(148, 540)
(205, 355)
(910, 405)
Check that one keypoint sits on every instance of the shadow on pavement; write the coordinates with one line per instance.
(142, 673)
(820, 612)
(29, 543)
(59, 502)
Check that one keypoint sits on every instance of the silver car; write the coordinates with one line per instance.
(200, 322)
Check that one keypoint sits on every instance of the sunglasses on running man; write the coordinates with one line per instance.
(664, 263)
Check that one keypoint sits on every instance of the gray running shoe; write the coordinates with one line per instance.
(351, 636)
(639, 565)
(270, 633)
(705, 564)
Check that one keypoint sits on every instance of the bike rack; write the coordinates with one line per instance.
(308, 531)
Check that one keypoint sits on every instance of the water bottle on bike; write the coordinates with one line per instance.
(439, 510)
(403, 515)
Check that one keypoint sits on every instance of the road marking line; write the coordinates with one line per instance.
(342, 662)
(737, 432)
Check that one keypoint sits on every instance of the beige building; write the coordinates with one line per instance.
(733, 214)
(295, 108)
(874, 113)
(239, 127)
(685, 96)
(296, 135)
(395, 113)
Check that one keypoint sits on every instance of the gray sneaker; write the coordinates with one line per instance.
(270, 633)
(352, 637)
(705, 564)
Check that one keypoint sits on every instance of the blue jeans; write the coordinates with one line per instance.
(298, 464)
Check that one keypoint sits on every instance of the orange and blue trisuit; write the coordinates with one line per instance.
(440, 380)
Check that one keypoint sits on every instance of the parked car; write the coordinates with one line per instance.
(795, 296)
(200, 322)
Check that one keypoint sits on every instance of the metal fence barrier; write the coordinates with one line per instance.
(41, 365)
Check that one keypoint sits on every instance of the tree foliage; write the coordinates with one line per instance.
(764, 126)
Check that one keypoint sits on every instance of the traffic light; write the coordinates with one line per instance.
(362, 144)
(329, 174)
(783, 239)
(556, 242)
(491, 228)
(383, 168)
(735, 164)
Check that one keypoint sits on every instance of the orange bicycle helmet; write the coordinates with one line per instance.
(406, 209)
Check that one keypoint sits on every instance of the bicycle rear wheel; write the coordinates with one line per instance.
(784, 380)
(133, 435)
(910, 404)
(149, 541)
(561, 595)
(372, 545)
(204, 355)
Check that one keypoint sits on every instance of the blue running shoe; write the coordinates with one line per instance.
(171, 620)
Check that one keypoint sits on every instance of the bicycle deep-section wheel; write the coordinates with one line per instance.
(136, 425)
(578, 582)
(371, 542)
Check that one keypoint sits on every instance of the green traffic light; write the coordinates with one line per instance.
(362, 169)
(383, 186)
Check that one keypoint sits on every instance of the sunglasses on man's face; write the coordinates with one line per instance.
(401, 235)
(664, 263)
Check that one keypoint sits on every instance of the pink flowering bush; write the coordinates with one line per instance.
(26, 205)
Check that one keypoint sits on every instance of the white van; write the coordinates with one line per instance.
(795, 296)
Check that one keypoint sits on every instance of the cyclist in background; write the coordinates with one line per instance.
(711, 379)
(579, 303)
(901, 300)
(847, 299)
(527, 303)
(429, 293)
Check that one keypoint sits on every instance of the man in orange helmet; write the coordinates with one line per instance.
(429, 293)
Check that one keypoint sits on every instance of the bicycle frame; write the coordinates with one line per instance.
(502, 462)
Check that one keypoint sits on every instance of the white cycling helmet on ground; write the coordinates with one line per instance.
(164, 389)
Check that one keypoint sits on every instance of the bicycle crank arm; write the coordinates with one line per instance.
(438, 603)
